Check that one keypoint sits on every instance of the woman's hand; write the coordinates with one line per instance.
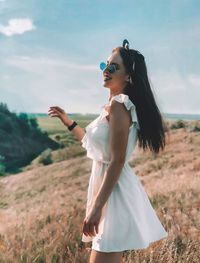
(91, 222)
(56, 111)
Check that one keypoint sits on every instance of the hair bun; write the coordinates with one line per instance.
(126, 44)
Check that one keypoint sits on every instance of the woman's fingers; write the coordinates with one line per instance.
(91, 230)
(54, 111)
(57, 108)
(96, 228)
(88, 229)
(85, 228)
(54, 115)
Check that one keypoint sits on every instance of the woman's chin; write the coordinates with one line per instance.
(105, 84)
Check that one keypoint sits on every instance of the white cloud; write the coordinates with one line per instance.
(39, 65)
(176, 92)
(194, 80)
(56, 81)
(5, 76)
(17, 26)
(169, 80)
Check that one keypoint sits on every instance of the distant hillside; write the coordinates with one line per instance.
(21, 140)
(171, 116)
(178, 116)
(71, 115)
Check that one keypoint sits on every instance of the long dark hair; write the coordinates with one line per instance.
(152, 127)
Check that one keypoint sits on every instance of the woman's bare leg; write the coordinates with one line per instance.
(105, 257)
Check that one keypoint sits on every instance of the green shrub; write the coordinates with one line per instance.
(21, 140)
(178, 124)
(46, 157)
(2, 165)
(196, 128)
(2, 169)
(5, 123)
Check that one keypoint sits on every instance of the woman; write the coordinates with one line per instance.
(119, 215)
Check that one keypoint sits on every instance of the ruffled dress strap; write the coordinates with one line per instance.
(123, 98)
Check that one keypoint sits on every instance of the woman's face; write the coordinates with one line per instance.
(115, 81)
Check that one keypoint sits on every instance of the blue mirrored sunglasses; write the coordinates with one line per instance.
(110, 68)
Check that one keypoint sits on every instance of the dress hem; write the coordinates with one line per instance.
(130, 248)
(146, 245)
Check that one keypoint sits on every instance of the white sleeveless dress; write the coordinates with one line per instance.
(128, 219)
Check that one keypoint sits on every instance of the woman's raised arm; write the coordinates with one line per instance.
(56, 111)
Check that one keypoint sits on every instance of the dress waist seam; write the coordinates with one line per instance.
(107, 162)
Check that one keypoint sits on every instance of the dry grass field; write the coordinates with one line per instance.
(43, 207)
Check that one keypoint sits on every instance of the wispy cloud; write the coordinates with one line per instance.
(176, 92)
(17, 26)
(39, 65)
(60, 79)
(194, 80)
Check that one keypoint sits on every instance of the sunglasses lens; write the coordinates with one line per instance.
(102, 65)
(111, 69)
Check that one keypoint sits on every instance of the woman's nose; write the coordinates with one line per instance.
(106, 70)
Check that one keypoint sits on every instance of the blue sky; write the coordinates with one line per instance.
(50, 51)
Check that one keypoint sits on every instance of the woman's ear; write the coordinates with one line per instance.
(128, 78)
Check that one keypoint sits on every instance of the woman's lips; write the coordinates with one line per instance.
(106, 78)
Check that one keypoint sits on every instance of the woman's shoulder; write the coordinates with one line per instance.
(119, 102)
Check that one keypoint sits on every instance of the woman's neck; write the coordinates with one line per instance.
(114, 94)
